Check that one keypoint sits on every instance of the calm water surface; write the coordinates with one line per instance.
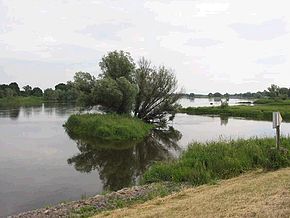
(207, 102)
(40, 165)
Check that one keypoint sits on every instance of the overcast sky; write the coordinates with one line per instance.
(218, 45)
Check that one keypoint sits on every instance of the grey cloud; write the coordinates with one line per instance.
(273, 60)
(265, 31)
(106, 30)
(41, 73)
(4, 77)
(69, 52)
(203, 42)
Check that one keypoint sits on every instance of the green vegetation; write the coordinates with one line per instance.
(258, 112)
(20, 101)
(202, 163)
(269, 101)
(109, 127)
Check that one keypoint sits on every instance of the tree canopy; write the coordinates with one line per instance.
(147, 91)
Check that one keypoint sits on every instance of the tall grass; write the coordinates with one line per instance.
(260, 112)
(269, 101)
(109, 127)
(202, 163)
(20, 101)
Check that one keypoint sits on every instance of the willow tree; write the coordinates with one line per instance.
(148, 92)
(115, 90)
(157, 95)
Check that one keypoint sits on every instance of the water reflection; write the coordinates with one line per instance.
(122, 165)
(47, 109)
(224, 120)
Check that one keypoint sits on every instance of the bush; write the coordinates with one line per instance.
(202, 163)
(106, 127)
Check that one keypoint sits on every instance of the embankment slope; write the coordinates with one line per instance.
(255, 194)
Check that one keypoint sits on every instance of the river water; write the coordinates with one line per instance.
(40, 165)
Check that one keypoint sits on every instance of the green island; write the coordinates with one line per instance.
(109, 127)
(261, 110)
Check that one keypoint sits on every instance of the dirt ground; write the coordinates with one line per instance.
(255, 194)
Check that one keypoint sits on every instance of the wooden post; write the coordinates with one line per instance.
(277, 120)
(278, 137)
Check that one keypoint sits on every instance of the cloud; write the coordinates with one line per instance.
(273, 60)
(41, 73)
(202, 42)
(4, 77)
(106, 31)
(266, 30)
(211, 44)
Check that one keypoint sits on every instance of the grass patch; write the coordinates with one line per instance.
(109, 127)
(268, 101)
(202, 163)
(258, 112)
(20, 101)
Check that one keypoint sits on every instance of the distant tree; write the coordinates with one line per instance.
(83, 83)
(217, 95)
(61, 86)
(273, 91)
(210, 95)
(2, 93)
(49, 95)
(10, 92)
(27, 90)
(283, 93)
(258, 95)
(14, 86)
(191, 95)
(227, 96)
(37, 92)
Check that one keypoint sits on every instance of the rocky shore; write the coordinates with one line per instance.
(97, 203)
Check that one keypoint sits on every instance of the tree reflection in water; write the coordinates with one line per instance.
(13, 113)
(121, 165)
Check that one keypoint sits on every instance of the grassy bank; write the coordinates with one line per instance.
(106, 127)
(266, 101)
(204, 163)
(255, 194)
(20, 101)
(258, 112)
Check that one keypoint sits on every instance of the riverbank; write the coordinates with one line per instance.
(21, 101)
(202, 163)
(104, 202)
(255, 194)
(256, 112)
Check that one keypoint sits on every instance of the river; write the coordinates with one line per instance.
(41, 166)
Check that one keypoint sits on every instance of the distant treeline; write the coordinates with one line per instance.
(273, 92)
(61, 92)
(13, 90)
